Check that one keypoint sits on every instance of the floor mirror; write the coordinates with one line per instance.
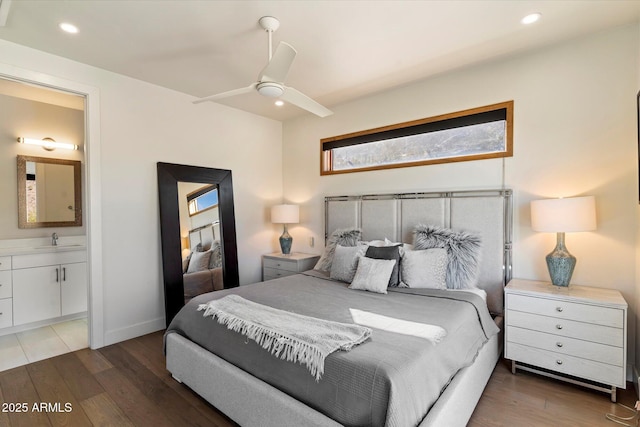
(211, 190)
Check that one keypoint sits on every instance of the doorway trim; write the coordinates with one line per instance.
(92, 175)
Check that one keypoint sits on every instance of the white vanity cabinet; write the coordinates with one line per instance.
(6, 293)
(73, 288)
(48, 285)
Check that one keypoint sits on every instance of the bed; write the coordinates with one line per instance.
(264, 396)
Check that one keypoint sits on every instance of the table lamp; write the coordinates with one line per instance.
(285, 214)
(563, 216)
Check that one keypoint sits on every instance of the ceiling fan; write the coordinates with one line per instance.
(271, 79)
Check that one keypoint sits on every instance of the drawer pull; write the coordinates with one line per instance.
(559, 362)
(558, 326)
(559, 344)
(559, 309)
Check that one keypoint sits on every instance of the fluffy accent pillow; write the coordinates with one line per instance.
(342, 237)
(216, 255)
(463, 249)
(345, 262)
(387, 252)
(373, 275)
(425, 268)
(199, 261)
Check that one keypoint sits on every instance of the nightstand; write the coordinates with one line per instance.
(278, 265)
(576, 334)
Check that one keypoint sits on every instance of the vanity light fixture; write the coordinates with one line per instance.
(47, 143)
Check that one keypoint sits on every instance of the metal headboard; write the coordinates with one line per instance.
(394, 216)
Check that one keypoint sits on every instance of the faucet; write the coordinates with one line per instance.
(54, 239)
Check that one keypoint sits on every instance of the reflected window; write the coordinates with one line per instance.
(202, 199)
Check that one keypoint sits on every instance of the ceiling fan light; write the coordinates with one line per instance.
(279, 103)
(271, 90)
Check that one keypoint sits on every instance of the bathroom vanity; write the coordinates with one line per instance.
(41, 283)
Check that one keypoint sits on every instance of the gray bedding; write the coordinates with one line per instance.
(391, 380)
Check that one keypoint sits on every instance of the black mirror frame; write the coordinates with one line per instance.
(169, 175)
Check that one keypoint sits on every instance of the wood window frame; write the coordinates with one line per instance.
(442, 121)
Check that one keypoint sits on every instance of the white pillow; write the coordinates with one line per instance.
(373, 275)
(199, 261)
(425, 268)
(345, 262)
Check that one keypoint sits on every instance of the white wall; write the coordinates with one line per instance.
(141, 124)
(574, 134)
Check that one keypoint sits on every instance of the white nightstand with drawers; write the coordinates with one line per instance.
(576, 334)
(277, 265)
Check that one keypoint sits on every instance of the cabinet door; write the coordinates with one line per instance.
(73, 291)
(36, 294)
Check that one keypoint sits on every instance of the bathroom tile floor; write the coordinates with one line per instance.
(42, 343)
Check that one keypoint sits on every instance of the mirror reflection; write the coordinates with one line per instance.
(211, 224)
(49, 192)
(200, 238)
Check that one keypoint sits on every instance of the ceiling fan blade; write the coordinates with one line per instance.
(301, 100)
(227, 94)
(278, 67)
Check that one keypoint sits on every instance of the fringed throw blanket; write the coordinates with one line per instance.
(289, 336)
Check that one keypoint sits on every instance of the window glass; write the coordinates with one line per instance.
(468, 135)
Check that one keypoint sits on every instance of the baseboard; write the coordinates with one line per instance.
(41, 323)
(133, 331)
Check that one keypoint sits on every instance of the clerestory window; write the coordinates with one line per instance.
(479, 133)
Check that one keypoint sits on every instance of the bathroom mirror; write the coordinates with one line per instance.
(172, 178)
(49, 192)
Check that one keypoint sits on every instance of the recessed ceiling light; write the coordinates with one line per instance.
(279, 103)
(68, 28)
(531, 18)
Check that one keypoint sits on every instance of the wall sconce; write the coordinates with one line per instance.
(47, 143)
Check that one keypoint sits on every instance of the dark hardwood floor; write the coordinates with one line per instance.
(126, 384)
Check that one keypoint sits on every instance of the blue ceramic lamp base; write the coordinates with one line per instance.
(285, 241)
(561, 263)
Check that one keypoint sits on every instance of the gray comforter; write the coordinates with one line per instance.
(390, 380)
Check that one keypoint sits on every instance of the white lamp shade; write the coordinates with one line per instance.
(564, 215)
(285, 214)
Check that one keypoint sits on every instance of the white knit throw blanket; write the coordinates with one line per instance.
(289, 336)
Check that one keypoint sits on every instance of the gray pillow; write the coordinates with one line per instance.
(463, 249)
(345, 262)
(425, 268)
(199, 261)
(387, 252)
(342, 237)
(373, 274)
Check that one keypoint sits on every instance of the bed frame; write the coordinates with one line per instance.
(252, 402)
